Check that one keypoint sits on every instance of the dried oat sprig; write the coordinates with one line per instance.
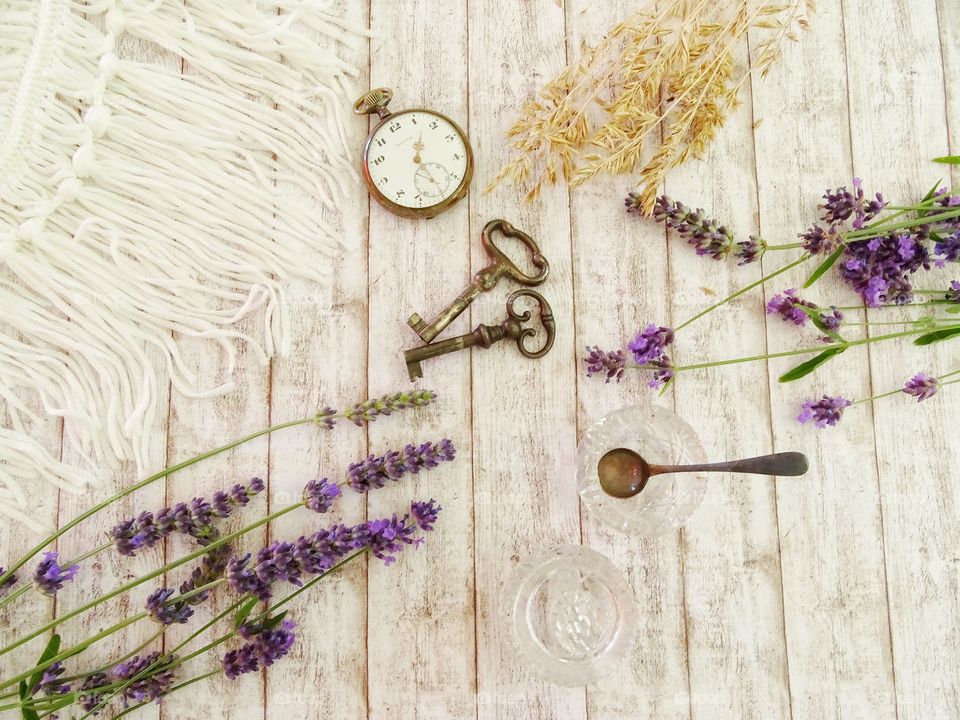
(652, 94)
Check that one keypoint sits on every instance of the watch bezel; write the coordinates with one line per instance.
(430, 211)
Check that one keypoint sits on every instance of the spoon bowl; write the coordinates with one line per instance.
(624, 473)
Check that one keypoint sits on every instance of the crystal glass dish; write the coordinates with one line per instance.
(569, 614)
(661, 437)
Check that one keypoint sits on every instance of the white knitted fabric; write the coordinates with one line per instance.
(139, 203)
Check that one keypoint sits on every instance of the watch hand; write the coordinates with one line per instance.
(418, 146)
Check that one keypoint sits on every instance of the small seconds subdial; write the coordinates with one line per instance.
(432, 180)
(418, 159)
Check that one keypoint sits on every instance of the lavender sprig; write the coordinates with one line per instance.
(376, 471)
(325, 418)
(825, 411)
(266, 646)
(50, 577)
(710, 238)
(922, 387)
(195, 519)
(369, 410)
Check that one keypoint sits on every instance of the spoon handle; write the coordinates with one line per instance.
(783, 464)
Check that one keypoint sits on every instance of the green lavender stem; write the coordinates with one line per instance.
(744, 291)
(790, 353)
(33, 552)
(129, 586)
(214, 643)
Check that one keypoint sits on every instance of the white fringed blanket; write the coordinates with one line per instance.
(139, 203)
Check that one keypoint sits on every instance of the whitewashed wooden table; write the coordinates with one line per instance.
(834, 596)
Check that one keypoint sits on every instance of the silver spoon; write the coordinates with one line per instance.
(624, 473)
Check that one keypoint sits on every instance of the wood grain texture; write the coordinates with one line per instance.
(836, 621)
(917, 462)
(621, 282)
(326, 366)
(421, 622)
(832, 596)
(524, 413)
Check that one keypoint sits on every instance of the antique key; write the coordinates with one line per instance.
(486, 335)
(487, 278)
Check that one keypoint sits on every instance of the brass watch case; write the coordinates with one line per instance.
(375, 103)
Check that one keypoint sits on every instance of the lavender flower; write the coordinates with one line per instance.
(826, 411)
(662, 374)
(374, 472)
(922, 387)
(195, 519)
(750, 251)
(425, 513)
(705, 234)
(953, 295)
(611, 364)
(319, 495)
(787, 305)
(841, 204)
(50, 683)
(650, 345)
(369, 410)
(155, 683)
(50, 577)
(879, 269)
(327, 417)
(947, 249)
(165, 612)
(818, 241)
(90, 698)
(318, 553)
(211, 568)
(832, 320)
(266, 647)
(7, 584)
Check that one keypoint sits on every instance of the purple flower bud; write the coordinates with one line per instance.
(168, 613)
(374, 472)
(611, 364)
(425, 513)
(922, 387)
(50, 577)
(650, 345)
(826, 411)
(953, 295)
(50, 683)
(706, 235)
(91, 693)
(319, 495)
(154, 684)
(749, 251)
(787, 306)
(265, 648)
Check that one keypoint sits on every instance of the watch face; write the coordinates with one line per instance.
(417, 159)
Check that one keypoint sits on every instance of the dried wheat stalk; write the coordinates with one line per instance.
(658, 86)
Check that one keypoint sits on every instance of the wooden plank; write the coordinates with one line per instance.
(836, 616)
(949, 16)
(326, 366)
(620, 284)
(524, 412)
(737, 657)
(421, 622)
(15, 539)
(109, 569)
(898, 77)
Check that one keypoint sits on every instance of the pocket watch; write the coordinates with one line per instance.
(416, 163)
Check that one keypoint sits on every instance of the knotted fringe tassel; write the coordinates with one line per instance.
(138, 203)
